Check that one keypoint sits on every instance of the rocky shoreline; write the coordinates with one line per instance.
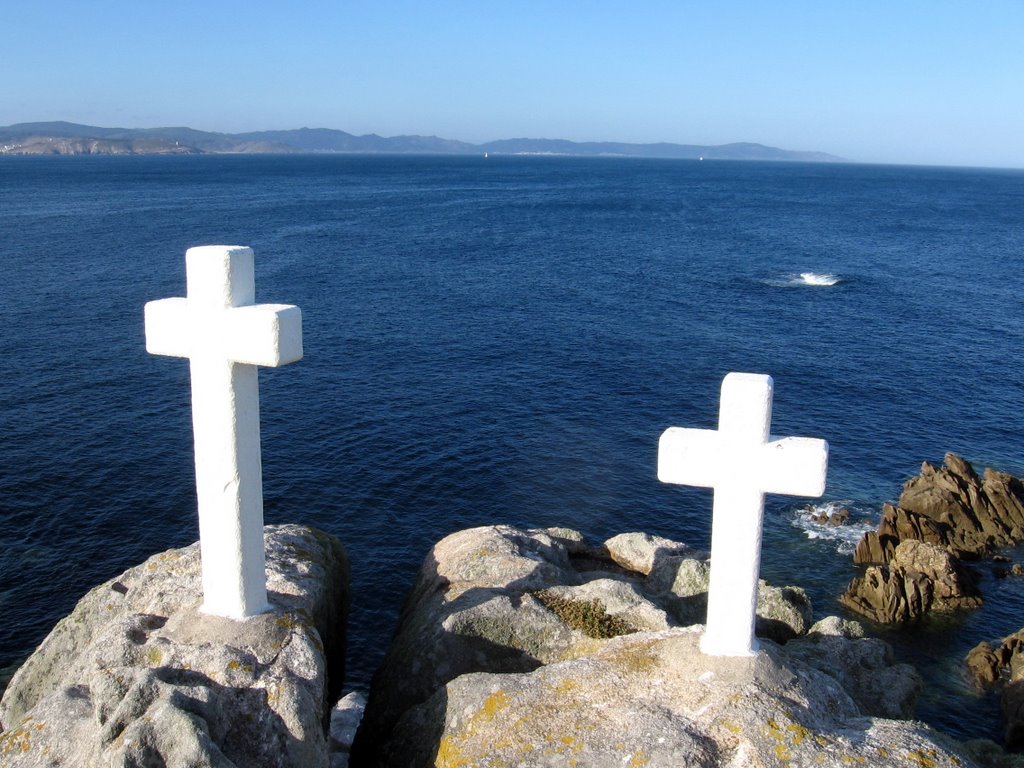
(515, 647)
(918, 558)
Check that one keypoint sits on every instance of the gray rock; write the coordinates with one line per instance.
(641, 552)
(682, 583)
(652, 699)
(136, 675)
(345, 717)
(501, 600)
(863, 666)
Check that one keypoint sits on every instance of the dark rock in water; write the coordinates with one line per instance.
(920, 577)
(484, 672)
(981, 514)
(955, 515)
(983, 664)
(834, 518)
(136, 675)
(898, 524)
(992, 665)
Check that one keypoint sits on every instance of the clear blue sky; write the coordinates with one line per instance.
(896, 82)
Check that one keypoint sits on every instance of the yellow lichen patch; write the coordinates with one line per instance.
(923, 757)
(799, 732)
(637, 760)
(20, 739)
(852, 760)
(154, 656)
(493, 704)
(287, 622)
(449, 755)
(273, 694)
(235, 666)
(731, 727)
(638, 659)
(568, 685)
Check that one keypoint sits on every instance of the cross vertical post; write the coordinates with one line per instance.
(741, 462)
(225, 335)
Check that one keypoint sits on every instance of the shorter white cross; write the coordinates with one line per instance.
(742, 462)
(225, 336)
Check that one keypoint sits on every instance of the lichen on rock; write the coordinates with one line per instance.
(137, 675)
(529, 648)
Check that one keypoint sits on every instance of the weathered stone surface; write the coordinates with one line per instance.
(863, 666)
(640, 552)
(136, 675)
(502, 600)
(981, 514)
(920, 577)
(897, 524)
(653, 699)
(681, 584)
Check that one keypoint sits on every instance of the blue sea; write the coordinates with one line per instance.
(503, 340)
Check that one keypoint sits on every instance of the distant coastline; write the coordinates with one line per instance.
(63, 138)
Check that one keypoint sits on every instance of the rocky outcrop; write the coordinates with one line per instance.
(897, 524)
(136, 675)
(1001, 665)
(652, 699)
(920, 577)
(863, 666)
(533, 648)
(980, 514)
(915, 557)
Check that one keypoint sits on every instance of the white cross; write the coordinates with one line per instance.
(741, 462)
(225, 336)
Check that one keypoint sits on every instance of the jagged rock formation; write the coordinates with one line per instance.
(136, 675)
(980, 514)
(1003, 665)
(533, 648)
(945, 515)
(919, 577)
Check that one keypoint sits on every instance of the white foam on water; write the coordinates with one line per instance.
(862, 518)
(819, 278)
(804, 280)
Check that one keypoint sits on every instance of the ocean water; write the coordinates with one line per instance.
(503, 340)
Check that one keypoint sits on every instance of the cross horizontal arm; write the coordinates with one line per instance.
(261, 334)
(705, 458)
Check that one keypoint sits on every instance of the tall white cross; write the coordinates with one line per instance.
(226, 335)
(742, 462)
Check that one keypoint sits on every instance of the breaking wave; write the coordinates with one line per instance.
(805, 279)
(842, 522)
(819, 278)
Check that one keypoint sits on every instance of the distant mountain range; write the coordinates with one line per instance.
(61, 138)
